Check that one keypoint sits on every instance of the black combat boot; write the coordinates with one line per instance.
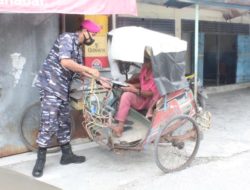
(40, 162)
(68, 157)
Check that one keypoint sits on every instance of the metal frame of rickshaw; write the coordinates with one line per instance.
(97, 125)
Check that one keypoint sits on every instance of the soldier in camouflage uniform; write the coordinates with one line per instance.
(55, 75)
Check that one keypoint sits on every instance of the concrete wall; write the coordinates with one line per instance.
(213, 14)
(25, 40)
(206, 13)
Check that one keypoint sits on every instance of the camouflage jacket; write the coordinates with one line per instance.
(52, 76)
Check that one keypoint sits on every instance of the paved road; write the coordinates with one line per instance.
(222, 161)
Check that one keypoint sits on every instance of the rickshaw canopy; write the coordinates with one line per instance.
(167, 54)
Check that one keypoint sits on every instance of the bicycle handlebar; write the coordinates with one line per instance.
(101, 80)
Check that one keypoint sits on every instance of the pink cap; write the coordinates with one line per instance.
(90, 26)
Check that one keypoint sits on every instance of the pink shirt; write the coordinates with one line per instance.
(129, 99)
(147, 82)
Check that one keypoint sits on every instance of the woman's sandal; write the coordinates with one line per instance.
(119, 133)
(116, 133)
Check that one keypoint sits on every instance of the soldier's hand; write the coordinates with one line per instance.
(94, 72)
(90, 72)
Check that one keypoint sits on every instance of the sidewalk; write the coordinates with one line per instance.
(230, 130)
(13, 180)
(222, 161)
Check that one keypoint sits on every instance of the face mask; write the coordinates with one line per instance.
(88, 41)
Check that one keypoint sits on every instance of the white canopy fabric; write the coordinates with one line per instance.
(88, 7)
(129, 43)
(167, 53)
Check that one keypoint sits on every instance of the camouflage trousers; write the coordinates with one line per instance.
(55, 120)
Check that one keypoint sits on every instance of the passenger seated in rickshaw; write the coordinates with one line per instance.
(141, 93)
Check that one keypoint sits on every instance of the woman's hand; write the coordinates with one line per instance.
(105, 82)
(130, 88)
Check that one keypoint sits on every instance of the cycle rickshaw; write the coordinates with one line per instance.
(174, 127)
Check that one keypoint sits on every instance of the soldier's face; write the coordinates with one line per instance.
(88, 38)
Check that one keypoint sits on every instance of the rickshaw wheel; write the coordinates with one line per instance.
(176, 144)
(29, 128)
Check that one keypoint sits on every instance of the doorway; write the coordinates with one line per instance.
(220, 59)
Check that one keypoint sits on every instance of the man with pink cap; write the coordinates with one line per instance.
(54, 78)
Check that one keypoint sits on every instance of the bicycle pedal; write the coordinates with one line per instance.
(179, 145)
(127, 128)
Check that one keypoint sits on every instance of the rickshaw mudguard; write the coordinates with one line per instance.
(180, 102)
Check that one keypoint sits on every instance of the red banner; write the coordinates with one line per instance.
(69, 6)
(97, 62)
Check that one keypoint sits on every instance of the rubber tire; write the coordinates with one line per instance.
(32, 145)
(156, 143)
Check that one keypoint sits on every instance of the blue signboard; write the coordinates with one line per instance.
(243, 61)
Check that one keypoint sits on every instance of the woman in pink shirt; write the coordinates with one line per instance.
(140, 94)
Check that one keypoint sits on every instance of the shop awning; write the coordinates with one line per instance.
(88, 7)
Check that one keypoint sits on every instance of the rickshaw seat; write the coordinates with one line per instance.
(170, 97)
(174, 94)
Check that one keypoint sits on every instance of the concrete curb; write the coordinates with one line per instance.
(77, 145)
(226, 88)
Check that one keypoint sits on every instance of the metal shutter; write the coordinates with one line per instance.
(215, 27)
(161, 25)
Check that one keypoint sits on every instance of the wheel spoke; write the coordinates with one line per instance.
(30, 127)
(176, 144)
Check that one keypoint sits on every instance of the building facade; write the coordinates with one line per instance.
(223, 38)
